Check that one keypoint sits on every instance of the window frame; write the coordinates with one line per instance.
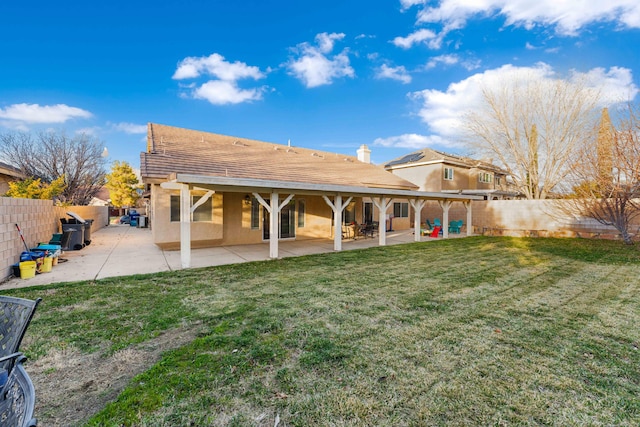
(448, 174)
(401, 208)
(301, 213)
(255, 213)
(485, 177)
(174, 208)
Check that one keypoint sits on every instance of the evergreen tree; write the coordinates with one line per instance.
(122, 184)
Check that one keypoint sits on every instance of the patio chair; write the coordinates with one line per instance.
(17, 395)
(436, 223)
(455, 226)
(367, 229)
(15, 316)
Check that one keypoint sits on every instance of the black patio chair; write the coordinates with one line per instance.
(17, 395)
(15, 316)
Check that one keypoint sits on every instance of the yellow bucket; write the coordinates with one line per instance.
(46, 265)
(55, 260)
(27, 269)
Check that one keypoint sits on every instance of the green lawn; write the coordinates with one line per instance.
(474, 331)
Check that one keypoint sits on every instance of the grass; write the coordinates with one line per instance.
(475, 331)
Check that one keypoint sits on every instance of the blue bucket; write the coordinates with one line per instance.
(29, 256)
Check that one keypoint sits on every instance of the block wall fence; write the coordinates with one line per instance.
(524, 218)
(38, 220)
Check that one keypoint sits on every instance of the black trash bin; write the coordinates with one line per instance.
(76, 240)
(87, 231)
(77, 219)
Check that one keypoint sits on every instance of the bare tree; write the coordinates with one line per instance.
(532, 127)
(50, 155)
(607, 173)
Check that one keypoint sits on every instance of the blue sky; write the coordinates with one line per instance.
(396, 75)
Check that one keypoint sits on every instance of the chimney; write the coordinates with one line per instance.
(364, 154)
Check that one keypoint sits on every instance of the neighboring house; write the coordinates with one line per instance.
(7, 174)
(209, 189)
(102, 198)
(433, 170)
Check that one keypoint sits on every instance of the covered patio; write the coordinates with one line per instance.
(336, 196)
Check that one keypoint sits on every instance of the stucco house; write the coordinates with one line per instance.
(8, 173)
(208, 189)
(433, 170)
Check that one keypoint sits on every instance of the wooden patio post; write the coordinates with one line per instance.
(417, 205)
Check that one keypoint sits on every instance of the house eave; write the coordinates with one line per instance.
(247, 185)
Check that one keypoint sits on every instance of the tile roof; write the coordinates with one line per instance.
(11, 171)
(431, 155)
(173, 150)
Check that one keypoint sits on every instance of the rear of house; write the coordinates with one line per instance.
(236, 209)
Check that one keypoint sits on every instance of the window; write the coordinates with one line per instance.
(349, 214)
(203, 213)
(498, 180)
(255, 214)
(448, 174)
(301, 213)
(485, 177)
(401, 210)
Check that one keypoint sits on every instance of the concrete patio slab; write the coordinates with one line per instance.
(121, 250)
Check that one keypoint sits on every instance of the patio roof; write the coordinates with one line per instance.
(261, 185)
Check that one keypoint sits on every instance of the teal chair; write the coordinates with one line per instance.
(429, 226)
(455, 226)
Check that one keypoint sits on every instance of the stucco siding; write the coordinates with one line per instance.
(167, 232)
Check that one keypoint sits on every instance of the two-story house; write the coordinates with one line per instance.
(433, 170)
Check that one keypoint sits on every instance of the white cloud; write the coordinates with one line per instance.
(219, 92)
(224, 88)
(566, 16)
(215, 65)
(315, 67)
(442, 59)
(615, 85)
(451, 59)
(129, 128)
(414, 141)
(406, 4)
(395, 73)
(423, 35)
(41, 114)
(326, 41)
(93, 131)
(443, 111)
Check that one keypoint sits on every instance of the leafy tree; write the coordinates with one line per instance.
(31, 188)
(532, 128)
(122, 184)
(49, 155)
(607, 172)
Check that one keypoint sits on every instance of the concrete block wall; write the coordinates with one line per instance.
(542, 218)
(38, 220)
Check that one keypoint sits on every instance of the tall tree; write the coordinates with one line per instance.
(607, 173)
(532, 127)
(31, 188)
(604, 146)
(50, 155)
(122, 183)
